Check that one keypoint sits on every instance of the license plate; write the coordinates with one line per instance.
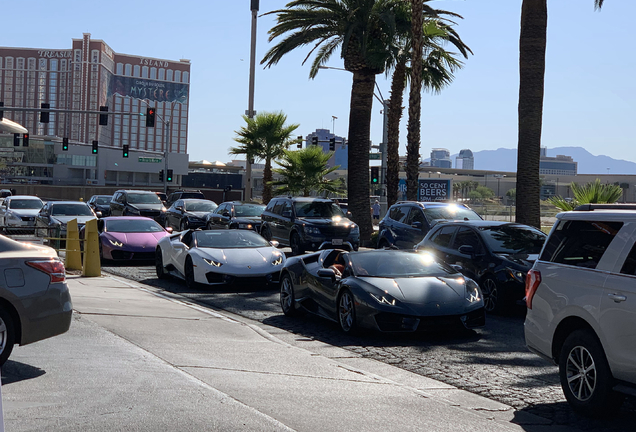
(336, 242)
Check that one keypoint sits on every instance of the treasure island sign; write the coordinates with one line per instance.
(158, 91)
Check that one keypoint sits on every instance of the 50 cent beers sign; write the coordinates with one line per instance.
(434, 190)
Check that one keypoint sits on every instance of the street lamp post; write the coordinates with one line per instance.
(250, 107)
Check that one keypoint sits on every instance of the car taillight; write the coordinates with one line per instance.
(532, 283)
(54, 268)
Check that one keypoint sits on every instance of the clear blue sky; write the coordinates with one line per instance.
(590, 94)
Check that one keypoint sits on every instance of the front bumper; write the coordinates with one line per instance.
(214, 278)
(389, 322)
(315, 242)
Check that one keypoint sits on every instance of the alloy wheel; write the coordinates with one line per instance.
(287, 296)
(581, 373)
(490, 292)
(346, 311)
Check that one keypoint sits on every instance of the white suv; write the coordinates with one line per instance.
(581, 298)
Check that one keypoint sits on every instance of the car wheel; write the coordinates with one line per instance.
(159, 267)
(189, 273)
(492, 296)
(266, 233)
(7, 335)
(287, 296)
(585, 375)
(383, 244)
(296, 245)
(347, 312)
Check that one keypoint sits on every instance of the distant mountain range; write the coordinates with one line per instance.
(506, 160)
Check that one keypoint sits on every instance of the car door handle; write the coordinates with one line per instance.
(617, 297)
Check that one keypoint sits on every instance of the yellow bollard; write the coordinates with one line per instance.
(92, 265)
(73, 259)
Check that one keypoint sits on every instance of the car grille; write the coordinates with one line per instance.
(125, 255)
(334, 231)
(396, 323)
(213, 277)
(28, 218)
(149, 213)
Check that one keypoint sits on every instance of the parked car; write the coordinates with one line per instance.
(183, 194)
(129, 238)
(5, 193)
(100, 203)
(216, 257)
(35, 303)
(53, 217)
(163, 197)
(385, 290)
(189, 213)
(304, 223)
(496, 254)
(137, 203)
(581, 298)
(407, 222)
(19, 211)
(236, 215)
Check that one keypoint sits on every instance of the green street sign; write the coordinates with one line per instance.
(375, 156)
(151, 160)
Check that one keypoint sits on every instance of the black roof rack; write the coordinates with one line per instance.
(592, 207)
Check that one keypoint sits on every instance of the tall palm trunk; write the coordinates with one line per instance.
(392, 149)
(415, 101)
(358, 152)
(532, 46)
(267, 178)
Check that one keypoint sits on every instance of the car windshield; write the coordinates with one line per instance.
(396, 264)
(317, 209)
(143, 198)
(230, 239)
(200, 206)
(102, 200)
(25, 204)
(71, 210)
(133, 226)
(248, 210)
(185, 195)
(511, 239)
(450, 212)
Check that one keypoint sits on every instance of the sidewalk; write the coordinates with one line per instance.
(265, 378)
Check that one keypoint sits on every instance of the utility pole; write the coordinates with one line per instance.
(250, 106)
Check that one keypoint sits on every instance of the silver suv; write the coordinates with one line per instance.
(581, 298)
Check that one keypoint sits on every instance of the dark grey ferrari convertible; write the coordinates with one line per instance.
(386, 290)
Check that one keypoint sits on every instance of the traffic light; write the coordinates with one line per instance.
(64, 144)
(103, 118)
(16, 140)
(314, 140)
(161, 175)
(44, 115)
(25, 140)
(375, 175)
(300, 142)
(332, 144)
(1, 111)
(95, 147)
(125, 150)
(169, 176)
(150, 117)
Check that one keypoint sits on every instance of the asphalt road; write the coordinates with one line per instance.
(492, 361)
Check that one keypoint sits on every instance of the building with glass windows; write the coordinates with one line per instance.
(440, 157)
(85, 77)
(465, 160)
(559, 165)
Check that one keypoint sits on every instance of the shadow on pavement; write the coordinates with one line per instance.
(13, 371)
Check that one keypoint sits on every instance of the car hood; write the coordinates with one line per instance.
(524, 260)
(200, 215)
(243, 256)
(25, 212)
(66, 219)
(138, 239)
(147, 206)
(326, 221)
(252, 220)
(422, 290)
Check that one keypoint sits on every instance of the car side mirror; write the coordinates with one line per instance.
(417, 225)
(326, 273)
(457, 267)
(98, 214)
(349, 215)
(226, 214)
(169, 229)
(274, 243)
(287, 214)
(180, 208)
(467, 250)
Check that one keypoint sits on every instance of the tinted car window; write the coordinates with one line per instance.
(102, 200)
(629, 267)
(399, 264)
(466, 236)
(317, 209)
(25, 204)
(278, 207)
(132, 226)
(450, 212)
(200, 206)
(513, 239)
(286, 208)
(71, 210)
(415, 216)
(248, 210)
(579, 243)
(185, 195)
(399, 213)
(139, 198)
(443, 236)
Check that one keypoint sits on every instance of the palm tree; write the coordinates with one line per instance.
(590, 193)
(264, 137)
(305, 171)
(415, 109)
(437, 72)
(532, 46)
(362, 30)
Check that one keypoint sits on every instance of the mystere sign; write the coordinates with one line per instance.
(159, 91)
(434, 190)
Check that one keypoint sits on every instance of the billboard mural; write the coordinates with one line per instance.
(140, 88)
(434, 190)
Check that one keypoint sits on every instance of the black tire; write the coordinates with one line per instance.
(189, 273)
(295, 244)
(7, 335)
(161, 270)
(493, 301)
(347, 312)
(266, 233)
(288, 296)
(585, 375)
(383, 244)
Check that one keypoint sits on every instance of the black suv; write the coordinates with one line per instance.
(137, 203)
(308, 224)
(407, 222)
(183, 194)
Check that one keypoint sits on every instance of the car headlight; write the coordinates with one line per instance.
(12, 216)
(212, 262)
(133, 211)
(278, 261)
(194, 218)
(245, 226)
(115, 243)
(163, 209)
(517, 275)
(311, 229)
(384, 299)
(473, 293)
